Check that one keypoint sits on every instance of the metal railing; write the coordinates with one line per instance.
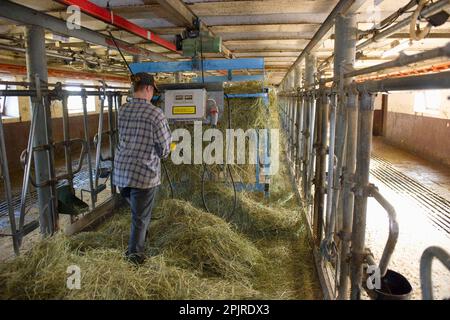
(329, 140)
(41, 97)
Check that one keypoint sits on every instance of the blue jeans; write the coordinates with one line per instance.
(141, 202)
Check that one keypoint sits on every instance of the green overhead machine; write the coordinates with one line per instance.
(203, 43)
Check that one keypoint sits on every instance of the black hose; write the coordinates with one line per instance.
(120, 51)
(166, 172)
(228, 110)
(204, 175)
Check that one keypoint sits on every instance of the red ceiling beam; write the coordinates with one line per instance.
(111, 18)
(410, 72)
(15, 69)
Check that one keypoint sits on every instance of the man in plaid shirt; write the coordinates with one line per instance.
(144, 139)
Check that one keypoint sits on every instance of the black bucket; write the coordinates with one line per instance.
(394, 286)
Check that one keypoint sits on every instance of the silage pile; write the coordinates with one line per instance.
(259, 252)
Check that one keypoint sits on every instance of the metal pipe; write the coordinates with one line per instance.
(111, 18)
(305, 157)
(288, 132)
(67, 84)
(331, 159)
(26, 173)
(322, 112)
(298, 134)
(427, 12)
(426, 261)
(66, 137)
(37, 66)
(430, 81)
(311, 150)
(341, 7)
(403, 60)
(33, 93)
(348, 195)
(49, 54)
(310, 121)
(422, 82)
(112, 144)
(293, 132)
(98, 152)
(52, 211)
(7, 186)
(345, 139)
(25, 15)
(340, 137)
(393, 230)
(365, 126)
(87, 138)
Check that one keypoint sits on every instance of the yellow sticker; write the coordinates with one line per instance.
(181, 110)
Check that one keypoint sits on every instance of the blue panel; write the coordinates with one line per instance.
(258, 77)
(247, 95)
(173, 66)
(208, 65)
(234, 64)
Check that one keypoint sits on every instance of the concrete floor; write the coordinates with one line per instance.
(417, 232)
(433, 175)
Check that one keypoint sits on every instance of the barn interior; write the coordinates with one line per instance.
(344, 188)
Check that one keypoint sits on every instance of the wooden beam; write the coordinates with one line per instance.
(270, 28)
(249, 19)
(179, 12)
(267, 36)
(224, 8)
(185, 16)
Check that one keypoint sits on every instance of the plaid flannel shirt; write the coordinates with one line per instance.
(144, 139)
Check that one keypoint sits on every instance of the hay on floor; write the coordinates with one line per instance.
(259, 252)
(42, 274)
(201, 241)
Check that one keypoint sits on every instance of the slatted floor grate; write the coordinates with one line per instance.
(436, 207)
(81, 180)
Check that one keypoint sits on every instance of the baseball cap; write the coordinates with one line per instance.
(145, 79)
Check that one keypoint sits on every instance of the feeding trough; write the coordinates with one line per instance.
(394, 286)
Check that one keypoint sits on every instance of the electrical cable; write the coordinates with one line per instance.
(227, 168)
(415, 33)
(166, 172)
(387, 22)
(120, 51)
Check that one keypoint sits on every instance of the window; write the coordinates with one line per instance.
(428, 100)
(114, 85)
(106, 103)
(75, 103)
(9, 106)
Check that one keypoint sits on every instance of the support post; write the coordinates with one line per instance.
(322, 111)
(348, 195)
(308, 126)
(66, 135)
(298, 134)
(345, 144)
(43, 160)
(112, 141)
(293, 130)
(365, 125)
